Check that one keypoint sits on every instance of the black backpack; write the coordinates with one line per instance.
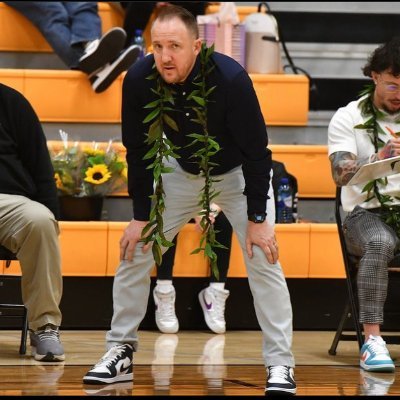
(279, 173)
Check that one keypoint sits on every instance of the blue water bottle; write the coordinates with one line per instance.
(284, 202)
(139, 40)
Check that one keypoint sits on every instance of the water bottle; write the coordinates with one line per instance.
(139, 40)
(284, 202)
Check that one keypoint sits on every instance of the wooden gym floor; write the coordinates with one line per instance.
(192, 363)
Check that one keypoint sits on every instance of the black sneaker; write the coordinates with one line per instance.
(101, 51)
(115, 366)
(103, 78)
(280, 381)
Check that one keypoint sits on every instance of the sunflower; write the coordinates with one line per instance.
(124, 173)
(97, 174)
(83, 170)
(93, 152)
(58, 180)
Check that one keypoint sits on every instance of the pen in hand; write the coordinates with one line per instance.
(394, 134)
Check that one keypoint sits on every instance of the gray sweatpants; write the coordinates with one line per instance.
(267, 282)
(30, 230)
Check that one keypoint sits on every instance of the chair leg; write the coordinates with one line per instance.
(339, 330)
(352, 308)
(354, 314)
(359, 334)
(24, 333)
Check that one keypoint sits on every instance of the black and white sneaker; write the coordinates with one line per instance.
(101, 51)
(280, 381)
(115, 366)
(104, 77)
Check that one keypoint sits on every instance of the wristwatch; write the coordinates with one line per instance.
(257, 218)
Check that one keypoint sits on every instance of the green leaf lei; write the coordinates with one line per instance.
(162, 147)
(390, 213)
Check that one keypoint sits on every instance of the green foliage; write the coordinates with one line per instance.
(162, 147)
(87, 171)
(201, 95)
(390, 214)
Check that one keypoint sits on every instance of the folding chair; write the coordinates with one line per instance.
(351, 307)
(13, 310)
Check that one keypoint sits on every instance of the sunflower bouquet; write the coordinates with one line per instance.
(86, 169)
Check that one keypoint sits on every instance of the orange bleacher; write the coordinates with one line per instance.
(283, 98)
(308, 250)
(67, 96)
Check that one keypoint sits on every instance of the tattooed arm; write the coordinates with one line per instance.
(344, 165)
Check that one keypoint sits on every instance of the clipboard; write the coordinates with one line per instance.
(375, 170)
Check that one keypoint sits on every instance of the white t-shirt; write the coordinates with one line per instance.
(342, 136)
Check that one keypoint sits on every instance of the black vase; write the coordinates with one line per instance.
(87, 208)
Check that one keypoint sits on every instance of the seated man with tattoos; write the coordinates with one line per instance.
(366, 131)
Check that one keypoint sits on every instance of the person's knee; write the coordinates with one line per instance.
(382, 243)
(43, 14)
(41, 220)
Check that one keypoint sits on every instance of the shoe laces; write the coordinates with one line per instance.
(111, 356)
(166, 304)
(49, 333)
(377, 346)
(218, 303)
(278, 371)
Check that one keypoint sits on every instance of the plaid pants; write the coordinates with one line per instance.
(374, 242)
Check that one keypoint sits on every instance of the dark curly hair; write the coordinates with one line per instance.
(385, 57)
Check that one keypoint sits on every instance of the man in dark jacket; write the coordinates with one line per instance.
(28, 219)
(241, 175)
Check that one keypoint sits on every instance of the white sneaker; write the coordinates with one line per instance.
(104, 77)
(101, 51)
(374, 355)
(280, 381)
(165, 311)
(212, 302)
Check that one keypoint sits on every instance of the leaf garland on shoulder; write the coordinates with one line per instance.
(162, 147)
(390, 213)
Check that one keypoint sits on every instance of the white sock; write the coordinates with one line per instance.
(218, 285)
(164, 285)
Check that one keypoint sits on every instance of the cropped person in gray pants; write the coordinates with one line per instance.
(240, 175)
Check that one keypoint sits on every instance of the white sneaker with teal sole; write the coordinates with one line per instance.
(375, 356)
